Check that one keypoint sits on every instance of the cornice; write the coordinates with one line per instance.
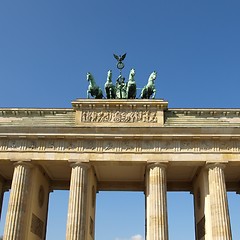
(33, 111)
(204, 112)
(119, 104)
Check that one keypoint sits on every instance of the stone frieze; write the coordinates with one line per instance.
(119, 116)
(118, 145)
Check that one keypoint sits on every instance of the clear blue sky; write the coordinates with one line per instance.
(47, 46)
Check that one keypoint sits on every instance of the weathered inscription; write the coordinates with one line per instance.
(119, 116)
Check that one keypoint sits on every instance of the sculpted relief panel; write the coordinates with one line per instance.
(119, 116)
(118, 145)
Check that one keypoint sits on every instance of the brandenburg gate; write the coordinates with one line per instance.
(118, 144)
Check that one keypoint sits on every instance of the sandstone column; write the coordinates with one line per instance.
(156, 202)
(17, 207)
(1, 194)
(218, 203)
(77, 202)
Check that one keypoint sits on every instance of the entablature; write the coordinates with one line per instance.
(120, 145)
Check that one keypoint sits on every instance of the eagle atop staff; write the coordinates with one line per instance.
(120, 58)
(120, 64)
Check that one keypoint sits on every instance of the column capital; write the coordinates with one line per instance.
(157, 164)
(25, 163)
(211, 165)
(84, 165)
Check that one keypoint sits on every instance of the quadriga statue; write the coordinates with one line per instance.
(122, 90)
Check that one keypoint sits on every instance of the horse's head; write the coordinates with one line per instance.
(153, 76)
(132, 74)
(89, 76)
(109, 76)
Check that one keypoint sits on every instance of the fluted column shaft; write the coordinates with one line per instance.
(77, 203)
(221, 229)
(17, 207)
(157, 223)
(1, 194)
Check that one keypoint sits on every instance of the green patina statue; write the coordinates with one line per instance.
(131, 85)
(122, 90)
(149, 90)
(110, 89)
(93, 88)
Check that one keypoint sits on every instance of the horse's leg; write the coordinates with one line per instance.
(141, 96)
(107, 92)
(154, 93)
(99, 94)
(144, 94)
(113, 92)
(149, 92)
(88, 93)
(110, 93)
